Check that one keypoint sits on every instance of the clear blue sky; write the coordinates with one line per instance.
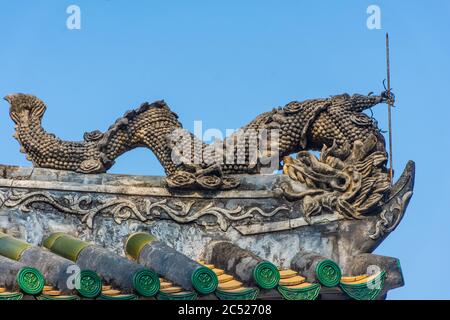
(224, 62)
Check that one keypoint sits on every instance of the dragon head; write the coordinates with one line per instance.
(25, 107)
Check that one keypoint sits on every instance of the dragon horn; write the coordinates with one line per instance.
(8, 98)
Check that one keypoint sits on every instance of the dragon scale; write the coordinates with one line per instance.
(308, 125)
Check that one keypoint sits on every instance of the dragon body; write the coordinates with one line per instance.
(97, 152)
(306, 125)
(350, 177)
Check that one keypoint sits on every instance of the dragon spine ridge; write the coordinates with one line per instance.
(308, 125)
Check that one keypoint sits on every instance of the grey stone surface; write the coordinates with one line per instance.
(54, 268)
(106, 208)
(234, 259)
(166, 261)
(114, 270)
(8, 273)
(367, 263)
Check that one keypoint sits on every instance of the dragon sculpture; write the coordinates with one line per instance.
(350, 176)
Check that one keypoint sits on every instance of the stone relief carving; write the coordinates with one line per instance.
(337, 121)
(88, 207)
(350, 181)
(389, 219)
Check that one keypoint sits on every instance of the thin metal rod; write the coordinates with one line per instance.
(388, 64)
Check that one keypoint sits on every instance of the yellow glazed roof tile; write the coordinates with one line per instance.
(366, 279)
(287, 273)
(111, 292)
(237, 290)
(180, 293)
(62, 297)
(229, 285)
(353, 278)
(165, 285)
(171, 290)
(291, 281)
(301, 285)
(218, 272)
(225, 278)
(52, 292)
(357, 278)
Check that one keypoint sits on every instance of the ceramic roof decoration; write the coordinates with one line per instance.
(218, 226)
